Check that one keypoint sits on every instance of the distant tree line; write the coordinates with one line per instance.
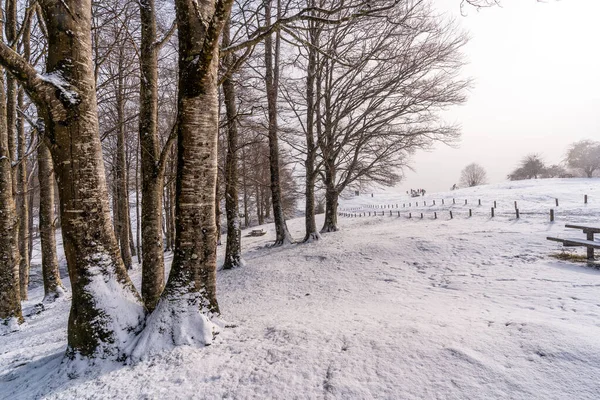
(582, 159)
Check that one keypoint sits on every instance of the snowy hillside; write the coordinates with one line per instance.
(386, 308)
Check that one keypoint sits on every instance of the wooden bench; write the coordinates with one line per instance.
(257, 232)
(589, 242)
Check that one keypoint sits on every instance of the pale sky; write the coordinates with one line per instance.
(536, 71)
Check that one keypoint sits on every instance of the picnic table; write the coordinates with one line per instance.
(257, 232)
(588, 242)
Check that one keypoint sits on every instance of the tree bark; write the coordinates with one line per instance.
(311, 149)
(53, 287)
(272, 83)
(122, 223)
(10, 297)
(189, 299)
(218, 212)
(233, 250)
(153, 270)
(331, 204)
(106, 311)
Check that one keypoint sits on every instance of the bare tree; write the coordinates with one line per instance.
(272, 57)
(531, 167)
(473, 175)
(584, 156)
(103, 298)
(381, 82)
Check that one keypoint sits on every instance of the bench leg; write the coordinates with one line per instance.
(590, 250)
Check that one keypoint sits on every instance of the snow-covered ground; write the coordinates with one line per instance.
(387, 308)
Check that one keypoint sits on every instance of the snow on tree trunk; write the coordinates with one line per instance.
(106, 311)
(186, 306)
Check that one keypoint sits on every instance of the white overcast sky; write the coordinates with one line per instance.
(536, 71)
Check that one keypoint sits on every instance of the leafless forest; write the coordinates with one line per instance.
(139, 127)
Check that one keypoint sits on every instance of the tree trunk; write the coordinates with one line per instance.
(246, 200)
(10, 298)
(259, 205)
(218, 211)
(311, 148)
(11, 89)
(23, 202)
(153, 173)
(53, 287)
(122, 223)
(331, 204)
(106, 311)
(272, 82)
(233, 250)
(183, 313)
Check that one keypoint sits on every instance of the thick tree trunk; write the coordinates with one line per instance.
(53, 287)
(106, 311)
(10, 298)
(233, 250)
(183, 313)
(271, 79)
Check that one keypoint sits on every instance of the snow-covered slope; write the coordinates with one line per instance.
(387, 308)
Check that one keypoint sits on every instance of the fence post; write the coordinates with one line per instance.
(517, 211)
(465, 202)
(442, 201)
(492, 212)
(470, 213)
(453, 201)
(551, 215)
(421, 215)
(516, 205)
(435, 215)
(494, 203)
(409, 215)
(424, 203)
(398, 213)
(556, 202)
(434, 202)
(585, 199)
(451, 214)
(479, 201)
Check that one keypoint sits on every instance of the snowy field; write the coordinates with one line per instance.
(387, 308)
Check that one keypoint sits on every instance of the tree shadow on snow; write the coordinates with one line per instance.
(50, 375)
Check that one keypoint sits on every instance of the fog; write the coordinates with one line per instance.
(536, 88)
